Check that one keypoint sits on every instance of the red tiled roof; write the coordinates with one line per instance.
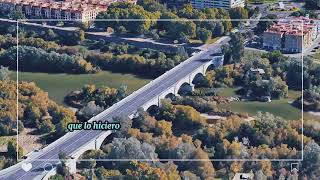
(71, 5)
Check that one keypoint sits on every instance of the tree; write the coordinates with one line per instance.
(164, 127)
(219, 29)
(39, 60)
(238, 13)
(189, 175)
(61, 128)
(237, 47)
(184, 151)
(51, 35)
(4, 73)
(226, 50)
(204, 35)
(32, 114)
(187, 117)
(20, 126)
(311, 160)
(202, 168)
(90, 165)
(17, 15)
(90, 110)
(259, 175)
(6, 126)
(141, 170)
(81, 35)
(83, 25)
(126, 11)
(13, 152)
(121, 30)
(122, 148)
(125, 123)
(294, 75)
(122, 92)
(46, 126)
(103, 173)
(264, 25)
(62, 168)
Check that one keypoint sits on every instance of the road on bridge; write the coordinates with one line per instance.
(72, 141)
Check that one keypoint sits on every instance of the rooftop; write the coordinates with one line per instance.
(71, 5)
(292, 26)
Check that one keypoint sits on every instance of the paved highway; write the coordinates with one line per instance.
(73, 141)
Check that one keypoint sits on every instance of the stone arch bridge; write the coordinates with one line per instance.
(74, 144)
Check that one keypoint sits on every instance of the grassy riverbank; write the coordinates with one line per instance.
(59, 85)
(281, 107)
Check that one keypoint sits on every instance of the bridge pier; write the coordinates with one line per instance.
(93, 145)
(72, 165)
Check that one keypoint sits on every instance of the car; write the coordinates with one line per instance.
(37, 150)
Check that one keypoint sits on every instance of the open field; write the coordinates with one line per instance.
(59, 85)
(280, 107)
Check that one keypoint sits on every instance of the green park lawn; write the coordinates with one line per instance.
(59, 85)
(280, 107)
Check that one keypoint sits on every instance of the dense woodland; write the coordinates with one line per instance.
(91, 100)
(37, 54)
(35, 109)
(176, 131)
(169, 23)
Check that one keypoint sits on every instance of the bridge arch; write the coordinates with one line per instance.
(153, 110)
(183, 81)
(153, 101)
(185, 88)
(196, 73)
(199, 80)
(170, 96)
(170, 90)
(208, 67)
(91, 145)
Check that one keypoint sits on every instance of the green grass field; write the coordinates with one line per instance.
(59, 85)
(280, 107)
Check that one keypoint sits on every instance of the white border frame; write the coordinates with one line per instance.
(164, 20)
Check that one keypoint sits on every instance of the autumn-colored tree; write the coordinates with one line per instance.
(164, 127)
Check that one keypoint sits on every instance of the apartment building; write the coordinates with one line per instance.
(273, 39)
(225, 4)
(291, 35)
(82, 10)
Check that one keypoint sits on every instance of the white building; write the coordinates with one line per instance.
(225, 4)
